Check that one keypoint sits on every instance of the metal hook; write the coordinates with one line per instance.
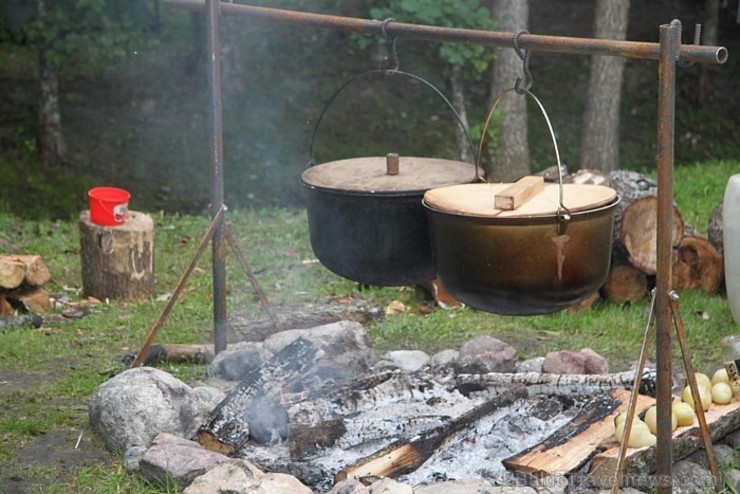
(697, 42)
(524, 55)
(391, 40)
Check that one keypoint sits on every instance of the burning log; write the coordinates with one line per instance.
(404, 456)
(575, 443)
(319, 422)
(228, 425)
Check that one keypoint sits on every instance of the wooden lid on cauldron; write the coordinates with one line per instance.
(478, 200)
(388, 174)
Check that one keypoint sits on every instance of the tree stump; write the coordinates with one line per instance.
(117, 261)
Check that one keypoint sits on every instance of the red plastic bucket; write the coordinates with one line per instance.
(108, 205)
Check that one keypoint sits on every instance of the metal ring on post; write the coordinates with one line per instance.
(563, 212)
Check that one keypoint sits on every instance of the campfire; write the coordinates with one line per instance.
(291, 416)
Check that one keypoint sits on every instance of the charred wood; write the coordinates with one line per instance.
(404, 456)
(228, 425)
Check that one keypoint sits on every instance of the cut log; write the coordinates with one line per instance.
(35, 271)
(625, 283)
(441, 296)
(575, 443)
(590, 177)
(174, 352)
(714, 229)
(228, 425)
(404, 456)
(640, 462)
(118, 261)
(629, 186)
(33, 299)
(12, 272)
(697, 265)
(5, 308)
(638, 232)
(583, 305)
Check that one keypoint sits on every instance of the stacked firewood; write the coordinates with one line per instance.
(697, 263)
(22, 280)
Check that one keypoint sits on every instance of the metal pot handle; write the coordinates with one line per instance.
(563, 212)
(392, 72)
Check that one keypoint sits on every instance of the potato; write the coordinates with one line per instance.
(619, 419)
(705, 394)
(640, 434)
(651, 419)
(684, 413)
(720, 376)
(702, 380)
(721, 393)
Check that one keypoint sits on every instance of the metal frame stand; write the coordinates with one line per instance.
(668, 52)
(217, 225)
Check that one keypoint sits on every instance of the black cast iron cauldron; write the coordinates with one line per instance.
(366, 219)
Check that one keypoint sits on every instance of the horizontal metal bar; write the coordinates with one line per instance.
(559, 44)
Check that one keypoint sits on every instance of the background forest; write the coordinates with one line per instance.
(133, 99)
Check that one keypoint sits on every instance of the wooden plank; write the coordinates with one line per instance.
(555, 456)
(518, 193)
(721, 420)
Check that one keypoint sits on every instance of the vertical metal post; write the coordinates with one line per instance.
(213, 11)
(670, 40)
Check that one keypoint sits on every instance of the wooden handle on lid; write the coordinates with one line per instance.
(392, 164)
(518, 193)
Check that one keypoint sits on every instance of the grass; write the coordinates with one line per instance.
(55, 368)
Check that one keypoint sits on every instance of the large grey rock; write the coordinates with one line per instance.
(346, 347)
(486, 354)
(445, 358)
(389, 486)
(408, 360)
(234, 477)
(176, 461)
(137, 404)
(238, 360)
(584, 361)
(280, 483)
(349, 486)
(688, 477)
(462, 486)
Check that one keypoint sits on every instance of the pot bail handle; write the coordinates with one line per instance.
(563, 213)
(386, 72)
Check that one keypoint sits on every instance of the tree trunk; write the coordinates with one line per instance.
(51, 141)
(510, 158)
(458, 101)
(709, 38)
(600, 145)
